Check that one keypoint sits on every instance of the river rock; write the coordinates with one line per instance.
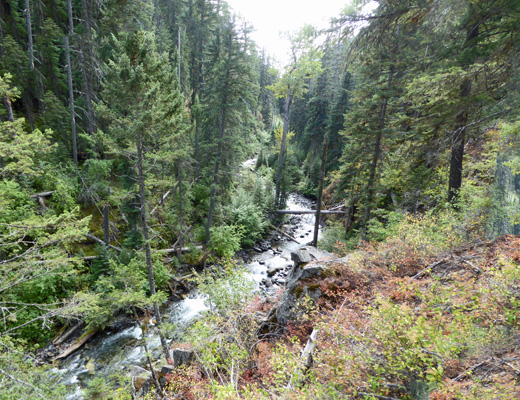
(307, 254)
(273, 269)
(136, 371)
(268, 283)
(90, 367)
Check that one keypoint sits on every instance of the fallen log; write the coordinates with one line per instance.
(61, 338)
(283, 233)
(324, 212)
(176, 249)
(306, 357)
(42, 194)
(81, 341)
(180, 279)
(98, 240)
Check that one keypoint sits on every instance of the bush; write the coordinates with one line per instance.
(249, 216)
(225, 240)
(224, 339)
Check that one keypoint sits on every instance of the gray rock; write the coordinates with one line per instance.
(273, 269)
(301, 291)
(167, 369)
(135, 370)
(182, 356)
(307, 254)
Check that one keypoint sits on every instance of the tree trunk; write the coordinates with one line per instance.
(350, 212)
(179, 56)
(9, 108)
(219, 149)
(29, 33)
(86, 90)
(288, 102)
(71, 103)
(106, 225)
(86, 16)
(148, 252)
(320, 191)
(179, 182)
(458, 137)
(71, 21)
(376, 155)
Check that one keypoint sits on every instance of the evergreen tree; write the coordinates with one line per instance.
(143, 116)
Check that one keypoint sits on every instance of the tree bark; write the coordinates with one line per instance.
(146, 236)
(71, 21)
(288, 102)
(106, 226)
(179, 182)
(458, 137)
(71, 103)
(86, 16)
(29, 33)
(320, 191)
(376, 155)
(9, 108)
(86, 89)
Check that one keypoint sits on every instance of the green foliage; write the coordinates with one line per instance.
(122, 288)
(224, 338)
(244, 213)
(226, 286)
(225, 240)
(117, 388)
(22, 377)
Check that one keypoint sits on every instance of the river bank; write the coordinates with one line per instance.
(118, 349)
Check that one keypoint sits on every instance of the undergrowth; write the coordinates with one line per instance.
(412, 317)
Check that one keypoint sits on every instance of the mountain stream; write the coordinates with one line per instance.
(109, 353)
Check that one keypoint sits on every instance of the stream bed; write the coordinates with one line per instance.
(113, 352)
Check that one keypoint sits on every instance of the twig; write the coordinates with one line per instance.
(428, 268)
(98, 240)
(161, 202)
(512, 367)
(470, 369)
(475, 269)
(23, 383)
(376, 396)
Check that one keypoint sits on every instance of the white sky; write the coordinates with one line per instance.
(270, 17)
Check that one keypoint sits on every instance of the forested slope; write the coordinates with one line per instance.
(125, 126)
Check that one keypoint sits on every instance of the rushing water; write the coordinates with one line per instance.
(115, 352)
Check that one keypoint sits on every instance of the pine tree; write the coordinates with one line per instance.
(227, 113)
(143, 115)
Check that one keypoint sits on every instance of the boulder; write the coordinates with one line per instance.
(307, 254)
(135, 370)
(182, 356)
(302, 291)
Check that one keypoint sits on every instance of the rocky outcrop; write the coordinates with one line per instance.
(307, 254)
(302, 292)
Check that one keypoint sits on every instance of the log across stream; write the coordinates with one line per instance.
(109, 353)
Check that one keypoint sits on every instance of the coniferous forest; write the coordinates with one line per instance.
(149, 150)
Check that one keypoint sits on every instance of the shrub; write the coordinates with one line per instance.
(225, 240)
(244, 213)
(224, 339)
